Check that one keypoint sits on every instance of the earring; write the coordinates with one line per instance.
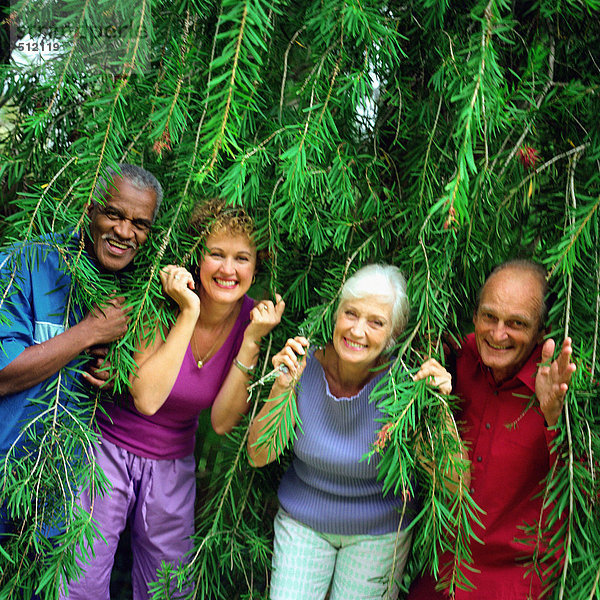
(253, 279)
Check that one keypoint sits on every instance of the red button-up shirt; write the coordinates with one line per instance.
(509, 449)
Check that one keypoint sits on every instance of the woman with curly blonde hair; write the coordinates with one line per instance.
(204, 360)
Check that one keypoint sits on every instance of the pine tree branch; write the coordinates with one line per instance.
(541, 168)
(219, 140)
(547, 86)
(285, 65)
(574, 237)
(596, 316)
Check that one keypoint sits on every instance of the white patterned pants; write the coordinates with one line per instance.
(307, 563)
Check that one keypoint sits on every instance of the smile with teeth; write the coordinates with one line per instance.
(495, 347)
(228, 283)
(118, 244)
(354, 345)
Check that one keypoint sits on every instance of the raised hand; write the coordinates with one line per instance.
(435, 375)
(553, 378)
(264, 317)
(288, 357)
(178, 283)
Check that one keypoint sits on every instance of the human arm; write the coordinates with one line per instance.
(231, 401)
(160, 361)
(38, 362)
(283, 389)
(553, 378)
(457, 472)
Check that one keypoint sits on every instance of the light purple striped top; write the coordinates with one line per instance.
(328, 487)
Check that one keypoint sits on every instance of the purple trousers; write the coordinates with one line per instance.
(157, 497)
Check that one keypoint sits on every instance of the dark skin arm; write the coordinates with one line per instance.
(40, 361)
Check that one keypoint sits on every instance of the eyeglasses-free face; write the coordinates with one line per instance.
(507, 322)
(121, 225)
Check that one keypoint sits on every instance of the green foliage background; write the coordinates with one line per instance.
(354, 131)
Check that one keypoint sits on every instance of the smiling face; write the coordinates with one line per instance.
(507, 321)
(228, 266)
(362, 330)
(121, 225)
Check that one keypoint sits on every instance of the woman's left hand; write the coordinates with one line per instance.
(435, 375)
(264, 317)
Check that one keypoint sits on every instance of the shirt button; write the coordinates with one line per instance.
(472, 490)
(488, 425)
(479, 458)
(495, 392)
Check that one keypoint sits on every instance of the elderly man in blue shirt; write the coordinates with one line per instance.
(41, 331)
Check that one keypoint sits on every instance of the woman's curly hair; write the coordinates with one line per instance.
(214, 216)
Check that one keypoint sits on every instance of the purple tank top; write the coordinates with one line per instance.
(170, 433)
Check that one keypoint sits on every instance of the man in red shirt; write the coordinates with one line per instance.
(509, 436)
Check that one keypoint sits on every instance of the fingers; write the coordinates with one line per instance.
(178, 284)
(175, 277)
(298, 344)
(110, 321)
(98, 351)
(94, 375)
(288, 355)
(566, 367)
(114, 305)
(435, 375)
(280, 305)
(269, 308)
(96, 382)
(553, 378)
(548, 350)
(429, 368)
(562, 368)
(263, 309)
(266, 315)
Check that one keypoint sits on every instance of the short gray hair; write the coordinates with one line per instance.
(387, 283)
(137, 176)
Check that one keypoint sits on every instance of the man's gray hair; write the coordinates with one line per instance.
(137, 176)
(387, 284)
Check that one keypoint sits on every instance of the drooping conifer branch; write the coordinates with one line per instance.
(272, 96)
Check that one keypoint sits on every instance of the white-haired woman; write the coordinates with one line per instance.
(335, 527)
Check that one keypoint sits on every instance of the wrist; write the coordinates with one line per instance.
(189, 313)
(280, 387)
(251, 340)
(246, 369)
(84, 334)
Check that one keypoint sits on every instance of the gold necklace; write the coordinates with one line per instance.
(204, 358)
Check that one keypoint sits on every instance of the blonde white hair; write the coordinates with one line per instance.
(387, 284)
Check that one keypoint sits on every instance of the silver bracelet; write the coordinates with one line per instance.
(242, 367)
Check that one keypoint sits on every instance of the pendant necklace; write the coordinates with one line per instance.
(203, 359)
